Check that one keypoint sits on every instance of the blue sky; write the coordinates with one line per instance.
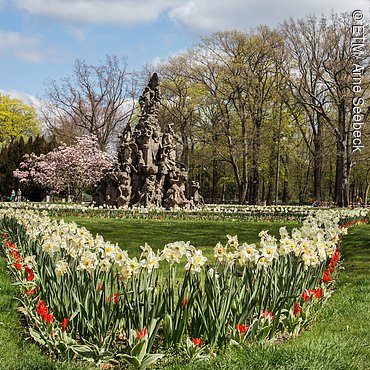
(40, 39)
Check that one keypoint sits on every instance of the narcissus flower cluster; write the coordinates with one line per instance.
(251, 289)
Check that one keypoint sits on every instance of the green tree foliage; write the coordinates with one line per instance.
(16, 120)
(11, 156)
(264, 116)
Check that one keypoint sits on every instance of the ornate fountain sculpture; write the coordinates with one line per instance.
(147, 173)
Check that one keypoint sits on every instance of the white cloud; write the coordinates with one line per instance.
(26, 98)
(24, 47)
(97, 11)
(215, 15)
(30, 100)
(198, 15)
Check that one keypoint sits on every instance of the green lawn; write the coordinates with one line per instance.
(339, 339)
(131, 234)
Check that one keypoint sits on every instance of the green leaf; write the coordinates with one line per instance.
(139, 350)
(131, 360)
(150, 359)
(84, 351)
(37, 337)
(74, 315)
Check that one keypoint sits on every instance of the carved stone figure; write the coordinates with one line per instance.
(147, 193)
(111, 190)
(124, 188)
(148, 173)
(197, 199)
(98, 196)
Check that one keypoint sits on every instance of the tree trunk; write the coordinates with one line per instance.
(241, 182)
(263, 191)
(215, 180)
(285, 191)
(366, 194)
(317, 160)
(242, 193)
(277, 171)
(185, 154)
(341, 180)
(243, 196)
(269, 194)
(255, 164)
(331, 191)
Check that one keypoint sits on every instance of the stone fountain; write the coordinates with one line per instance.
(147, 173)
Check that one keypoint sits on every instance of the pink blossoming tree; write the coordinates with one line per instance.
(72, 169)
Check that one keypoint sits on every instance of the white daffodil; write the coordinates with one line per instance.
(48, 247)
(88, 261)
(219, 251)
(262, 261)
(120, 257)
(109, 250)
(283, 232)
(248, 253)
(146, 249)
(286, 246)
(151, 262)
(269, 252)
(61, 268)
(125, 272)
(173, 252)
(263, 233)
(105, 264)
(230, 258)
(296, 234)
(134, 265)
(195, 261)
(232, 241)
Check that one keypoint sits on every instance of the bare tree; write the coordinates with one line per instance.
(217, 65)
(320, 79)
(236, 75)
(95, 99)
(304, 40)
(263, 62)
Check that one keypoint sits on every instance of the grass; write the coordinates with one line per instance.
(131, 234)
(339, 339)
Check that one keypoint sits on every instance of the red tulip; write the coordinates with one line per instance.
(197, 341)
(241, 328)
(297, 309)
(141, 334)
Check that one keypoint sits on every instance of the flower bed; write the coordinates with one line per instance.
(84, 297)
(206, 212)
